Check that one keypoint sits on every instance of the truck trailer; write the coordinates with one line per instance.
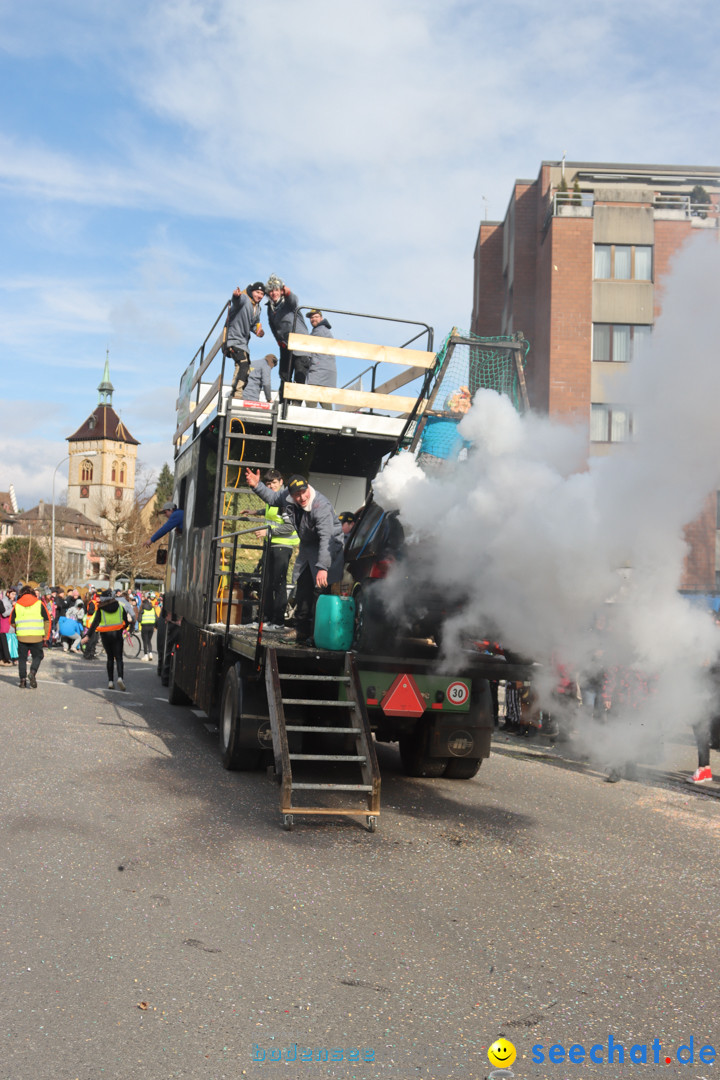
(311, 716)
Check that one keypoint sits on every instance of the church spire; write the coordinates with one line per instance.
(105, 389)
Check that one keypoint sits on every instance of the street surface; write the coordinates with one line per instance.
(157, 921)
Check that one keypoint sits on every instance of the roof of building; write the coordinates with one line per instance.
(67, 521)
(103, 423)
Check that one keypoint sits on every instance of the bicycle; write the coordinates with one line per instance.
(131, 644)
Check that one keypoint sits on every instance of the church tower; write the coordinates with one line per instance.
(101, 472)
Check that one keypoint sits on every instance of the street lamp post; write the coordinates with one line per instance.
(88, 453)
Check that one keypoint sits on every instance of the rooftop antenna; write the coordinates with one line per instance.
(562, 164)
(486, 205)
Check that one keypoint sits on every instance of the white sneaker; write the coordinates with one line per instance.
(111, 686)
(150, 657)
(120, 684)
(271, 626)
(252, 626)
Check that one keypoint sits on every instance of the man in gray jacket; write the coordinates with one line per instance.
(320, 554)
(259, 379)
(243, 319)
(284, 319)
(323, 371)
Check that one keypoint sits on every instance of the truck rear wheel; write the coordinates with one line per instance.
(176, 696)
(414, 755)
(462, 768)
(234, 757)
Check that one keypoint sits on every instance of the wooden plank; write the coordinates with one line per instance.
(198, 409)
(360, 350)
(360, 399)
(400, 380)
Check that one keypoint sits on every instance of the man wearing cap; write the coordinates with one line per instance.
(284, 319)
(174, 519)
(323, 371)
(243, 319)
(320, 554)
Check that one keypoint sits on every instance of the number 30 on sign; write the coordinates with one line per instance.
(457, 693)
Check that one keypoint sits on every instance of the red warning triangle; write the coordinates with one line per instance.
(403, 698)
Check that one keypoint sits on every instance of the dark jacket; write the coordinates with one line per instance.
(284, 318)
(319, 529)
(110, 607)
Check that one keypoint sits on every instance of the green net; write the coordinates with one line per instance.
(465, 364)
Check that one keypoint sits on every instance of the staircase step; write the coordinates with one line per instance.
(317, 678)
(332, 787)
(328, 757)
(312, 701)
(325, 730)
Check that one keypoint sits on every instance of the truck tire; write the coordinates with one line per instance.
(462, 768)
(176, 696)
(414, 755)
(234, 757)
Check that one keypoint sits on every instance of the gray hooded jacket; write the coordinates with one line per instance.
(243, 318)
(323, 371)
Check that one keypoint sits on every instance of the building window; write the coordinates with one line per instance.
(122, 472)
(623, 262)
(611, 424)
(617, 343)
(86, 472)
(113, 472)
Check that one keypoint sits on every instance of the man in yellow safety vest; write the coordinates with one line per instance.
(283, 542)
(31, 623)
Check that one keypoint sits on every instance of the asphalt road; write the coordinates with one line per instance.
(157, 921)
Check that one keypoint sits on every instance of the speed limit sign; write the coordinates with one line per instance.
(457, 693)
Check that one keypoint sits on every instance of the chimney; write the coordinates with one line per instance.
(41, 509)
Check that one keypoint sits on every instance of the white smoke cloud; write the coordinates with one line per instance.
(535, 543)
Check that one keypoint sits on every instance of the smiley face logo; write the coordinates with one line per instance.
(501, 1054)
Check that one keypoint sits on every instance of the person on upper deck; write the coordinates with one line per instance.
(323, 370)
(284, 319)
(243, 319)
(259, 379)
(320, 554)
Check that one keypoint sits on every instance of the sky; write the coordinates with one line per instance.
(155, 155)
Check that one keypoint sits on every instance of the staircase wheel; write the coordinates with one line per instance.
(371, 823)
(288, 822)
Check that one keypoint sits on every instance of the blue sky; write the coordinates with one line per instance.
(155, 155)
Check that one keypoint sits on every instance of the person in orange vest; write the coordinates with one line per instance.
(109, 620)
(31, 623)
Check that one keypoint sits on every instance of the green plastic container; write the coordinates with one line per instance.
(334, 622)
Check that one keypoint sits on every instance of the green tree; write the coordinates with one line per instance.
(164, 488)
(22, 559)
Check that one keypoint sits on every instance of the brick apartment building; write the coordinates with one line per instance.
(577, 265)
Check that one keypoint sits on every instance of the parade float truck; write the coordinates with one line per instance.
(313, 716)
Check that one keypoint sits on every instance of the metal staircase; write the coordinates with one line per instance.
(249, 442)
(299, 716)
